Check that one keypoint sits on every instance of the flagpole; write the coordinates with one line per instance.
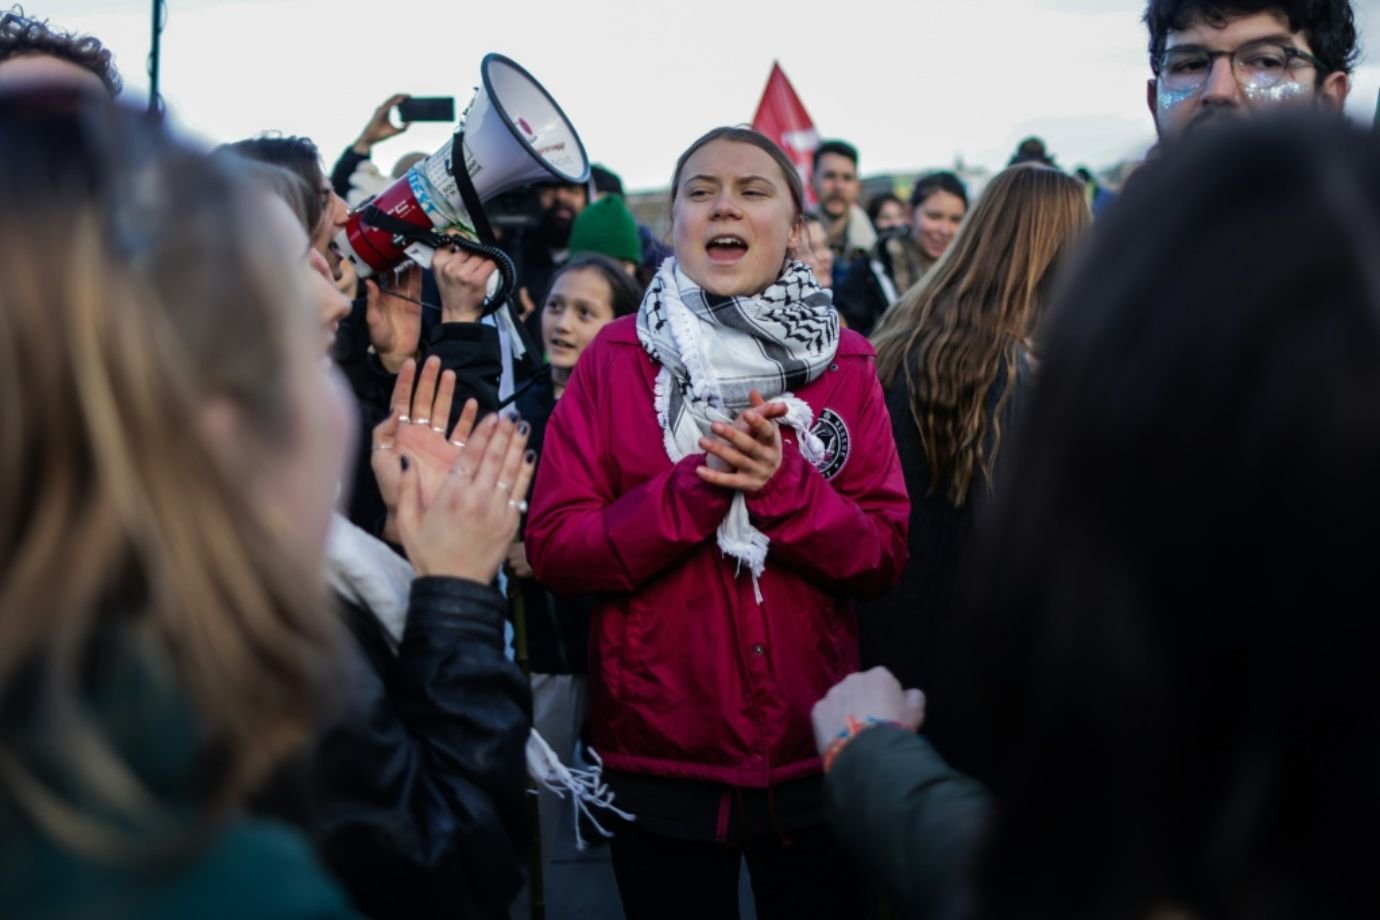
(160, 15)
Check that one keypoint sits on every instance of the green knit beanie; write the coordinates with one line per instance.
(607, 227)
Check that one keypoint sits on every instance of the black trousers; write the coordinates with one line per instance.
(803, 876)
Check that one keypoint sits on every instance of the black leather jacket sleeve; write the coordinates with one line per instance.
(421, 784)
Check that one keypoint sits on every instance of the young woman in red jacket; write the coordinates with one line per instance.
(721, 472)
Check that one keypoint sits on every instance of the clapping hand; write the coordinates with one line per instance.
(416, 427)
(467, 527)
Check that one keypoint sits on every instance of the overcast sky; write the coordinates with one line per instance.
(914, 83)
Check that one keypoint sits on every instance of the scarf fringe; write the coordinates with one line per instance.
(586, 787)
(661, 400)
(749, 549)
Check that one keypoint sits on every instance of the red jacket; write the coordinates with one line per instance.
(691, 677)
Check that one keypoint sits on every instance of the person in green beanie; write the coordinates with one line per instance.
(607, 227)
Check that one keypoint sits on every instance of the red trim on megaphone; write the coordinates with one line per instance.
(376, 247)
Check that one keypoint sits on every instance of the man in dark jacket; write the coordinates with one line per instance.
(538, 251)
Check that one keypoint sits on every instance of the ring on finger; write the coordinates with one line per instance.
(421, 421)
(438, 430)
(459, 444)
(403, 418)
(382, 446)
(520, 505)
(503, 486)
(462, 470)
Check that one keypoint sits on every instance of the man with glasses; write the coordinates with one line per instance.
(1217, 60)
(31, 52)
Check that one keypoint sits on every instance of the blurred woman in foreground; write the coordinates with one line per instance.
(167, 479)
(1173, 683)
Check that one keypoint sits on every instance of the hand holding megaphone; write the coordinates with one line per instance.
(513, 134)
(462, 277)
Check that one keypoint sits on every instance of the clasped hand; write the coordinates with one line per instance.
(747, 453)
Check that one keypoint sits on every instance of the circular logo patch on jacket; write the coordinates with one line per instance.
(830, 429)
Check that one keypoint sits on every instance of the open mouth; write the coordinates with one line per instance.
(559, 344)
(334, 260)
(726, 249)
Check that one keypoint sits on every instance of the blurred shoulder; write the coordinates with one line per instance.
(260, 868)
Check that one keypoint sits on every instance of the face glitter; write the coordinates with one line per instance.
(1279, 93)
(1169, 99)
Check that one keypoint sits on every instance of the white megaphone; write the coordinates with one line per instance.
(512, 134)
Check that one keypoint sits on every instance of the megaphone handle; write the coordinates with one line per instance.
(507, 272)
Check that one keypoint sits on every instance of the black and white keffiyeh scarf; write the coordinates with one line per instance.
(714, 351)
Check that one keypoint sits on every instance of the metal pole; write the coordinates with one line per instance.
(155, 100)
(536, 885)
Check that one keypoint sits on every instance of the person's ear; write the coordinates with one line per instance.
(797, 232)
(226, 436)
(1334, 90)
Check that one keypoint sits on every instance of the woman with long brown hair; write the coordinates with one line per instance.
(954, 354)
(166, 480)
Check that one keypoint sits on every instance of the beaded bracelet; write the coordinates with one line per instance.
(851, 729)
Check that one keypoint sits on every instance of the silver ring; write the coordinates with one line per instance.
(421, 421)
(521, 506)
(503, 486)
(403, 418)
(462, 470)
(383, 447)
(438, 430)
(459, 444)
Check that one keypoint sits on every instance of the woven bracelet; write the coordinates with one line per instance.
(851, 729)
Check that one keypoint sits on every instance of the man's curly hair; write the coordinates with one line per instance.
(21, 36)
(1330, 25)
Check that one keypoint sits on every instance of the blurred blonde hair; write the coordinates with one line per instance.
(137, 292)
(968, 318)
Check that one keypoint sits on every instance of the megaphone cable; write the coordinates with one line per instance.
(507, 272)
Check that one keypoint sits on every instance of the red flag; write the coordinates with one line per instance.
(781, 116)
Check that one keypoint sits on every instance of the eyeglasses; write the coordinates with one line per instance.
(1257, 65)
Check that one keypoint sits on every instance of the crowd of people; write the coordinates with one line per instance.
(925, 556)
